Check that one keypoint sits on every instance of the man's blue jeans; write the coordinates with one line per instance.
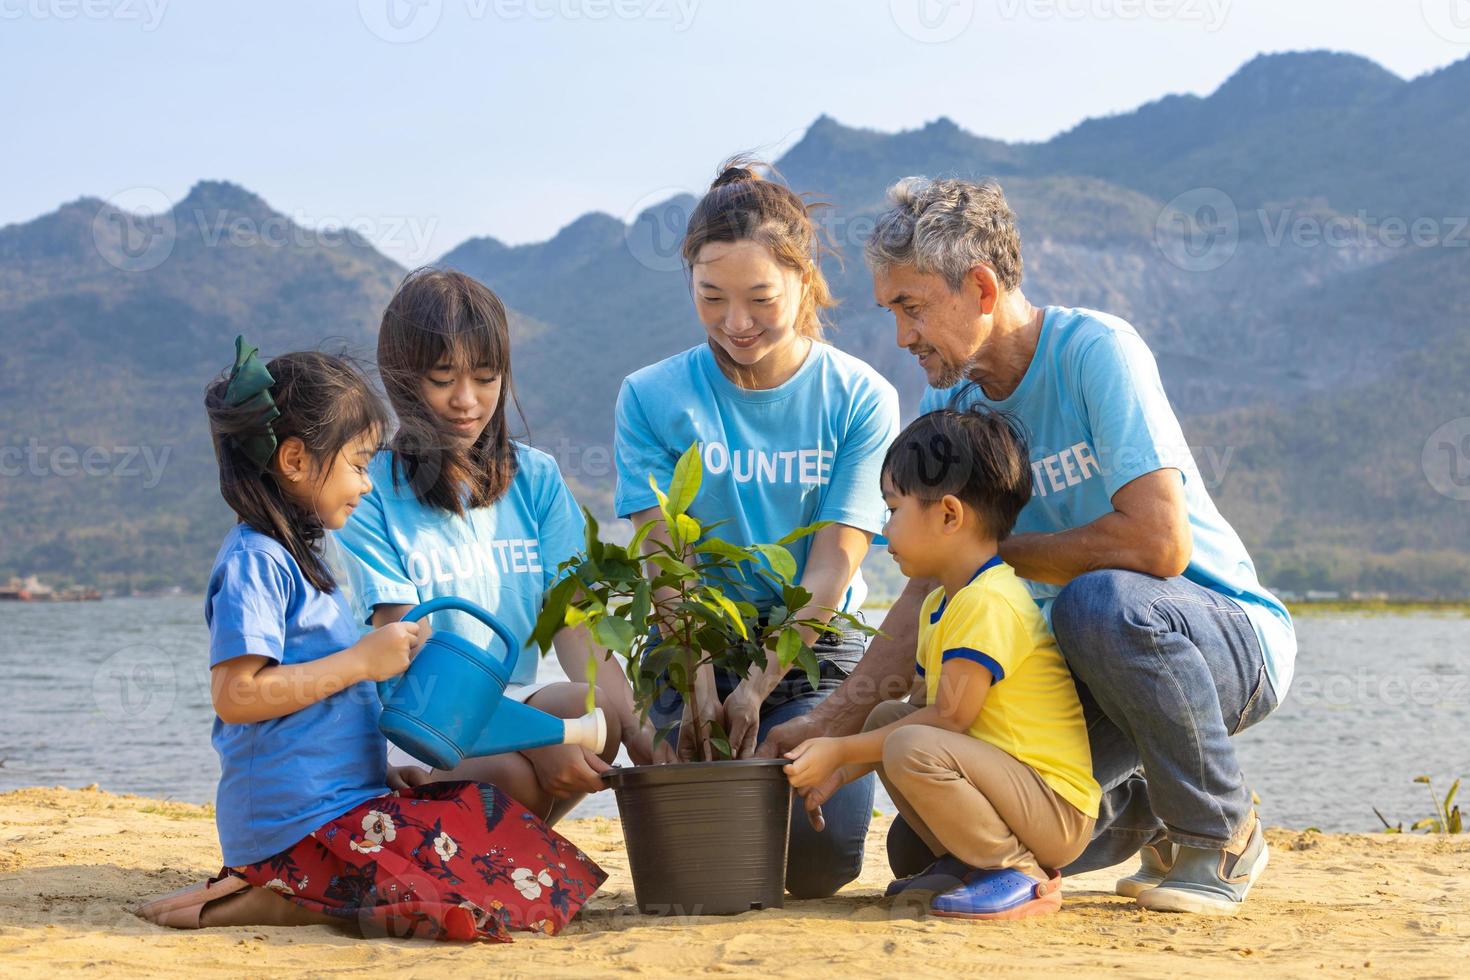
(1167, 671)
(817, 864)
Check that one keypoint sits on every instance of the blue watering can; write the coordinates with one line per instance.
(450, 704)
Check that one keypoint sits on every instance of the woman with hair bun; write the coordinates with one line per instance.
(791, 431)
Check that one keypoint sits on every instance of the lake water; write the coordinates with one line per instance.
(116, 693)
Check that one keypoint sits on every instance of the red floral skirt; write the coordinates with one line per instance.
(444, 860)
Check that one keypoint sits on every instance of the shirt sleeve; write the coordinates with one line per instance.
(374, 566)
(560, 527)
(638, 451)
(855, 495)
(247, 616)
(1134, 429)
(984, 629)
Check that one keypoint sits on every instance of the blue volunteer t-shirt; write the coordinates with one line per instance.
(774, 460)
(399, 551)
(281, 779)
(1096, 418)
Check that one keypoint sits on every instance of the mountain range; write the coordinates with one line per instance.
(1293, 247)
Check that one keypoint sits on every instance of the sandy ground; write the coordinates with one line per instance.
(73, 861)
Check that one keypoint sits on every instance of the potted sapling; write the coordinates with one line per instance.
(707, 836)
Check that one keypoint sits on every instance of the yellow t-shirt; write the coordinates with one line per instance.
(1031, 711)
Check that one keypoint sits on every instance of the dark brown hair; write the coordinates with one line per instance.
(741, 205)
(439, 316)
(325, 402)
(978, 455)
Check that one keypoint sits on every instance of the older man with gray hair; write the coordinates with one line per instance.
(1173, 643)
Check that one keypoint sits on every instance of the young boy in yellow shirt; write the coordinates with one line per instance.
(988, 761)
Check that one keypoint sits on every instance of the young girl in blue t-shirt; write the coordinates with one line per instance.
(458, 508)
(313, 827)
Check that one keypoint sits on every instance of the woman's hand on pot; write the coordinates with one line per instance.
(640, 737)
(565, 771)
(743, 718)
(711, 711)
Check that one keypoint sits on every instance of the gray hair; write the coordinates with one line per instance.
(947, 227)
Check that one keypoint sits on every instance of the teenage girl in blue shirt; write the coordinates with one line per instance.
(313, 827)
(459, 508)
(791, 431)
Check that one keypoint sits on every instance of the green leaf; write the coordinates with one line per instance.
(614, 633)
(802, 532)
(729, 609)
(1449, 798)
(638, 536)
(553, 612)
(674, 567)
(723, 549)
(788, 647)
(641, 605)
(684, 486)
(719, 740)
(687, 529)
(779, 559)
(808, 661)
(594, 543)
(663, 498)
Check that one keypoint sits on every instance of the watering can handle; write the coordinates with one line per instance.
(464, 605)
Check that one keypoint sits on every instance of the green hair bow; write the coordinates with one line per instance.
(250, 387)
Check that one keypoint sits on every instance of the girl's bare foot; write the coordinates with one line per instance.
(261, 907)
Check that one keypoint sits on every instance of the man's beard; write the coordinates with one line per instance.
(950, 373)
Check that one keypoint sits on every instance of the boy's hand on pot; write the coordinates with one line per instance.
(566, 771)
(813, 762)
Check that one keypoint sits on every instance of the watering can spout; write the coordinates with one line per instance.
(516, 727)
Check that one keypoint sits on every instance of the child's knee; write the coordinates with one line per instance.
(903, 748)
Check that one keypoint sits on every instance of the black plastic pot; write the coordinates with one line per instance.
(705, 838)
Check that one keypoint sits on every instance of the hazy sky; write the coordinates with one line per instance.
(424, 122)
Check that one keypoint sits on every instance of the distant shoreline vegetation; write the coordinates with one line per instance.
(1317, 607)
